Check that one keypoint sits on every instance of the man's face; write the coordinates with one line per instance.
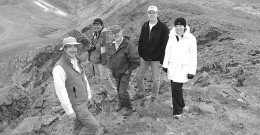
(71, 50)
(179, 29)
(97, 27)
(152, 15)
(118, 35)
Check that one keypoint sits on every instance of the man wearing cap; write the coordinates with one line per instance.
(152, 43)
(122, 58)
(96, 57)
(72, 89)
(180, 62)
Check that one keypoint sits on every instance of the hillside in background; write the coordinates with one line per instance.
(223, 98)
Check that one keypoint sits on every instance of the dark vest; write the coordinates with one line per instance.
(75, 83)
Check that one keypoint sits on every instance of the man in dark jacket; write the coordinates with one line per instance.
(122, 58)
(151, 48)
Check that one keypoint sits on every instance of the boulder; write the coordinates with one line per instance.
(3, 96)
(252, 80)
(27, 125)
(204, 80)
(207, 107)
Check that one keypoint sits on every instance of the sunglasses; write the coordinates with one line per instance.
(152, 12)
(115, 31)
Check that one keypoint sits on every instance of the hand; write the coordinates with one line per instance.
(190, 76)
(127, 71)
(103, 49)
(90, 101)
(73, 115)
(165, 70)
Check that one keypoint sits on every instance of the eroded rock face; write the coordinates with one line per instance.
(14, 104)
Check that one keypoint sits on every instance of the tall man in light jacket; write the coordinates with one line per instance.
(72, 89)
(180, 62)
(152, 43)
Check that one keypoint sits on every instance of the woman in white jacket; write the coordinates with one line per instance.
(180, 62)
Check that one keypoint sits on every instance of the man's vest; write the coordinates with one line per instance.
(75, 83)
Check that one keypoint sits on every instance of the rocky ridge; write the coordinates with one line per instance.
(223, 98)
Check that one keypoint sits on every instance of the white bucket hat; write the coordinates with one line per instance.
(69, 41)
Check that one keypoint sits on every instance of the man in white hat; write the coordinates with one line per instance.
(72, 89)
(151, 46)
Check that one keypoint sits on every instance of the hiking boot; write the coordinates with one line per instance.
(177, 116)
(138, 96)
(153, 99)
(119, 106)
(128, 111)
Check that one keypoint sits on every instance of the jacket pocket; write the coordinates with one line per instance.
(75, 92)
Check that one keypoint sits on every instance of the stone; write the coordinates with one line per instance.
(251, 80)
(38, 102)
(49, 119)
(27, 125)
(204, 80)
(4, 95)
(207, 107)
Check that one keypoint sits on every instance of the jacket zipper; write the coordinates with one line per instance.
(74, 90)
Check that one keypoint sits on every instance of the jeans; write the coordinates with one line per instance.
(156, 69)
(122, 85)
(102, 74)
(85, 123)
(177, 98)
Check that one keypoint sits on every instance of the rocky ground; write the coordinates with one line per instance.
(223, 98)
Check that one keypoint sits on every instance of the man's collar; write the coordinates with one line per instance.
(120, 42)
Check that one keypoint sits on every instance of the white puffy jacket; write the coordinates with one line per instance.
(180, 56)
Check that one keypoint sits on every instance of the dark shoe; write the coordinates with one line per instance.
(138, 96)
(153, 99)
(128, 111)
(177, 116)
(119, 106)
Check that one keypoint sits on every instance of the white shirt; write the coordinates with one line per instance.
(151, 25)
(59, 77)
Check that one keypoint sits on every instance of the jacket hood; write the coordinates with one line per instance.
(173, 32)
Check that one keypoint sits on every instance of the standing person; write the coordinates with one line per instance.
(72, 89)
(152, 43)
(97, 48)
(122, 58)
(180, 62)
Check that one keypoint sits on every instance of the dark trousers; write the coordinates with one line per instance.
(177, 98)
(122, 85)
(85, 123)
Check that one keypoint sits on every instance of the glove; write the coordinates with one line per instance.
(190, 76)
(165, 69)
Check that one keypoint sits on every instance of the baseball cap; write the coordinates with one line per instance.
(115, 29)
(153, 8)
(98, 20)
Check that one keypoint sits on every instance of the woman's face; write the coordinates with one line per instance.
(180, 29)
